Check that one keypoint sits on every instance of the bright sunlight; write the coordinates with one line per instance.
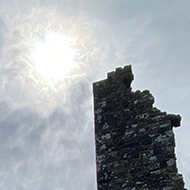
(53, 57)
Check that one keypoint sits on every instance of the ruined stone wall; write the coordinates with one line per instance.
(134, 141)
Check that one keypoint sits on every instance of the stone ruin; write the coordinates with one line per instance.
(134, 140)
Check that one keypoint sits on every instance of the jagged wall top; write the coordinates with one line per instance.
(120, 78)
(120, 81)
(125, 75)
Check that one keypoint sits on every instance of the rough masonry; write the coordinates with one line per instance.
(134, 140)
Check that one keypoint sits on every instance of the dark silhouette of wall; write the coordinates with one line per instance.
(134, 140)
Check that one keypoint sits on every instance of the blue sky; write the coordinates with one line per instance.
(46, 128)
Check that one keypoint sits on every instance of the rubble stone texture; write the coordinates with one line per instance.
(134, 140)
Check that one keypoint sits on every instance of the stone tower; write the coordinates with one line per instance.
(134, 140)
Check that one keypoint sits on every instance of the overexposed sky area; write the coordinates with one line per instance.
(52, 51)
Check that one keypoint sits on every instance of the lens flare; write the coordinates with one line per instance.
(53, 57)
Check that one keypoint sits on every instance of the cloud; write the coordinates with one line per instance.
(47, 135)
(36, 149)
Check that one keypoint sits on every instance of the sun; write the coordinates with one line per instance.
(53, 57)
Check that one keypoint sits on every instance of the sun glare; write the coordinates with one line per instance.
(53, 57)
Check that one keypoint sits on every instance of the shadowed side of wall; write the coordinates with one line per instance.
(134, 140)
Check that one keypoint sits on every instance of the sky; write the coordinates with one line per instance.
(46, 115)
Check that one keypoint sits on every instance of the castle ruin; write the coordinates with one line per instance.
(134, 140)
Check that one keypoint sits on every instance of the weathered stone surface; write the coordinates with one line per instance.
(134, 141)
